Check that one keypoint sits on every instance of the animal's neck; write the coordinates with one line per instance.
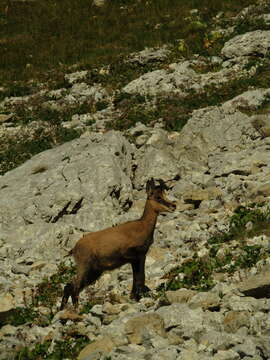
(149, 216)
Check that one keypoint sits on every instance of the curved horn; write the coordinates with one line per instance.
(162, 184)
(150, 185)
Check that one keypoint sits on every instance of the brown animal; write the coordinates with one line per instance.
(111, 248)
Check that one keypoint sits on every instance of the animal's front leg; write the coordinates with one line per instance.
(138, 288)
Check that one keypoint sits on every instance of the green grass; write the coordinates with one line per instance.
(55, 34)
(16, 150)
(50, 289)
(254, 214)
(46, 293)
(64, 349)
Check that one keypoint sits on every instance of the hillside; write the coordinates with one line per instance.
(81, 135)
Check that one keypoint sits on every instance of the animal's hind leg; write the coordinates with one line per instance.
(78, 283)
(83, 279)
(68, 291)
(73, 289)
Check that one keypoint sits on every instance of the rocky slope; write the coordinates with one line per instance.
(217, 240)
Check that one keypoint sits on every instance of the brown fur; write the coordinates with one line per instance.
(113, 247)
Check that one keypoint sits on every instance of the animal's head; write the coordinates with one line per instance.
(156, 194)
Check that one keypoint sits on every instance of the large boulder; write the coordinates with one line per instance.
(80, 186)
(212, 130)
(251, 43)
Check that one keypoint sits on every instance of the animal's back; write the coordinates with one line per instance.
(111, 242)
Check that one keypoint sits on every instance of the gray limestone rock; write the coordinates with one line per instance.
(251, 43)
(49, 200)
(140, 328)
(149, 55)
(181, 78)
(189, 322)
(248, 100)
(209, 131)
(257, 286)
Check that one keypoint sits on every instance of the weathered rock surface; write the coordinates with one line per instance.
(181, 78)
(250, 43)
(72, 181)
(140, 327)
(258, 285)
(149, 55)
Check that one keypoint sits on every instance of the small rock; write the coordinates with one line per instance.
(226, 355)
(99, 3)
(180, 296)
(76, 76)
(189, 355)
(217, 340)
(20, 269)
(69, 315)
(139, 327)
(96, 310)
(6, 302)
(5, 118)
(234, 320)
(8, 330)
(204, 300)
(257, 286)
(110, 309)
(102, 345)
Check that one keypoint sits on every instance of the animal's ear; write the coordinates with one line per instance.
(150, 185)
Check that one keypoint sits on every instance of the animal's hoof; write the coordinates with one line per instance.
(145, 290)
(139, 293)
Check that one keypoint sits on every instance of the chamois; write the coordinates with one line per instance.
(113, 247)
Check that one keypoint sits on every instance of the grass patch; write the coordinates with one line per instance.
(15, 150)
(21, 315)
(255, 214)
(65, 349)
(49, 290)
(173, 110)
(253, 20)
(45, 294)
(198, 273)
(36, 109)
(54, 34)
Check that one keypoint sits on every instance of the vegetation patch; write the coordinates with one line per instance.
(64, 349)
(175, 110)
(120, 27)
(45, 294)
(50, 289)
(253, 20)
(21, 315)
(256, 215)
(37, 109)
(15, 150)
(224, 255)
